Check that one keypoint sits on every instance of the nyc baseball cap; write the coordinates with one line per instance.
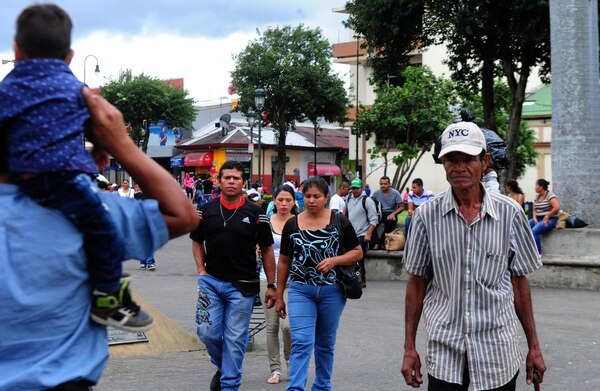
(463, 137)
(356, 183)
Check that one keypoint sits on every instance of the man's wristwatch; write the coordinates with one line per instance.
(271, 286)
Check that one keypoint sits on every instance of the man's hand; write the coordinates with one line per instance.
(108, 132)
(101, 158)
(535, 366)
(280, 308)
(270, 298)
(411, 369)
(367, 238)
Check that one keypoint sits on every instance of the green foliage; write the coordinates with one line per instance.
(526, 154)
(389, 42)
(144, 100)
(485, 39)
(293, 65)
(408, 118)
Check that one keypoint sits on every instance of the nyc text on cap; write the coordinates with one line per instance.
(463, 137)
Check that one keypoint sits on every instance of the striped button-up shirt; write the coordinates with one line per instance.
(469, 303)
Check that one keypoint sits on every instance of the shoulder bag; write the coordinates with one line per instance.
(348, 275)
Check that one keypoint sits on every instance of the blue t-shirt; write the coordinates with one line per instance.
(43, 112)
(47, 337)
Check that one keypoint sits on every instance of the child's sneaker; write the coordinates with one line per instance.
(142, 266)
(151, 267)
(117, 309)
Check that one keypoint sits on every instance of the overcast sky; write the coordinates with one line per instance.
(193, 39)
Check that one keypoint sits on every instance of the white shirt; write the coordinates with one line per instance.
(337, 202)
(128, 194)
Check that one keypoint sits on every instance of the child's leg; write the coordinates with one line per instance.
(75, 195)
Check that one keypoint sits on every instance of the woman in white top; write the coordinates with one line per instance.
(125, 190)
(284, 198)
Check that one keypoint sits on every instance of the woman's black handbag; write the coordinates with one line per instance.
(348, 275)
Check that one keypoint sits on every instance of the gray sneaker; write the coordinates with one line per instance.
(117, 309)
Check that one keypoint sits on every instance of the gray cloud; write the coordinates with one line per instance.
(209, 18)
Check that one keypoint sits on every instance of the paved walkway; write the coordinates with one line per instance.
(369, 349)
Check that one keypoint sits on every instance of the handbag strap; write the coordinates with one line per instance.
(338, 225)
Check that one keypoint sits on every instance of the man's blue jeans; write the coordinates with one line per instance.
(222, 320)
(539, 229)
(314, 312)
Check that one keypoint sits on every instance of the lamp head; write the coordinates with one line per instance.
(97, 70)
(251, 116)
(259, 98)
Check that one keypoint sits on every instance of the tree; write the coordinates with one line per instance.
(144, 100)
(409, 118)
(484, 39)
(389, 43)
(293, 65)
(525, 154)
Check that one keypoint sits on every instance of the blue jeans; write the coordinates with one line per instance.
(314, 312)
(539, 229)
(222, 320)
(76, 196)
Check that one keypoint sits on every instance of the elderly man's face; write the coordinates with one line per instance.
(464, 171)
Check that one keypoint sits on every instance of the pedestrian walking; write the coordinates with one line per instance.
(468, 255)
(228, 278)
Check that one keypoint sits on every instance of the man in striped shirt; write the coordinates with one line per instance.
(467, 255)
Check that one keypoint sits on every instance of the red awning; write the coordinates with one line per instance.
(198, 159)
(324, 169)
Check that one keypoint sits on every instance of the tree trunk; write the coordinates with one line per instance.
(146, 139)
(487, 93)
(575, 107)
(514, 125)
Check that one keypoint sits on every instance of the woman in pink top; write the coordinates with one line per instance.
(188, 184)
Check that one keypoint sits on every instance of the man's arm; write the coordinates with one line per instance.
(199, 254)
(268, 260)
(411, 208)
(371, 218)
(411, 363)
(109, 134)
(400, 208)
(534, 363)
(283, 271)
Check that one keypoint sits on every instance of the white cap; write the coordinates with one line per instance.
(463, 137)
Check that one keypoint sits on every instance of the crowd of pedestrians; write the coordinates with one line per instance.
(468, 252)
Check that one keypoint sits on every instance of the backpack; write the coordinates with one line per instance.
(364, 204)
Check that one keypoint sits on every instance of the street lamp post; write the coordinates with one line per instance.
(96, 71)
(259, 103)
(251, 116)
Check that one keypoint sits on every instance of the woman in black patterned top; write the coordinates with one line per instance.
(311, 247)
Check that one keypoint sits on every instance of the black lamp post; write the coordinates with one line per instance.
(259, 103)
(251, 116)
(96, 71)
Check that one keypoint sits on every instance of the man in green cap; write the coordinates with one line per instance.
(362, 213)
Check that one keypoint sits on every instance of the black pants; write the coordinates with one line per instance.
(440, 385)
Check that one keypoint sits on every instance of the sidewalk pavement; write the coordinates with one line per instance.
(369, 348)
